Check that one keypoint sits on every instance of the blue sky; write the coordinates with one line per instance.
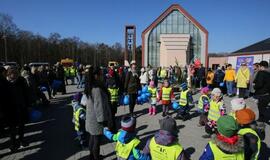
(232, 24)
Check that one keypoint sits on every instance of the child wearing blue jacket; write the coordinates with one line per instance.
(126, 141)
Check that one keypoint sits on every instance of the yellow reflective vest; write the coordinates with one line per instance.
(160, 152)
(163, 73)
(153, 92)
(76, 115)
(214, 111)
(219, 155)
(66, 71)
(166, 93)
(200, 105)
(183, 98)
(123, 150)
(72, 72)
(114, 94)
(251, 131)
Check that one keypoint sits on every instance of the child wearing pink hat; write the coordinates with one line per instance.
(203, 106)
(153, 91)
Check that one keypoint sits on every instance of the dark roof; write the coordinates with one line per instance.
(259, 46)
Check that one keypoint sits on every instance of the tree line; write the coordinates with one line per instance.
(25, 47)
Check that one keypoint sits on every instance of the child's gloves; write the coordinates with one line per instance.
(107, 133)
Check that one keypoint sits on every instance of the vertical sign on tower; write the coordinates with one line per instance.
(130, 44)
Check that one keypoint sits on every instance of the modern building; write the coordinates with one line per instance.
(251, 54)
(175, 36)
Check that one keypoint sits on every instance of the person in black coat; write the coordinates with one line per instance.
(18, 112)
(262, 89)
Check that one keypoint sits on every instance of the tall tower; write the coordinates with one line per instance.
(130, 44)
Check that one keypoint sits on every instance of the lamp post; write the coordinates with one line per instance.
(5, 43)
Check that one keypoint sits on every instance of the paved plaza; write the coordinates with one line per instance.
(52, 138)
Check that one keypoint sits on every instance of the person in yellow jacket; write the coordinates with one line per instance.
(229, 79)
(154, 93)
(164, 145)
(246, 120)
(185, 103)
(203, 106)
(126, 140)
(226, 144)
(242, 80)
(216, 110)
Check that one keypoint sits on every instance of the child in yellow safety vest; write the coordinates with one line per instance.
(114, 100)
(79, 116)
(236, 105)
(164, 145)
(216, 110)
(153, 91)
(203, 106)
(185, 102)
(165, 96)
(226, 143)
(126, 141)
(246, 120)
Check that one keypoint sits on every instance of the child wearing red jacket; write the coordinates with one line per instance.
(165, 96)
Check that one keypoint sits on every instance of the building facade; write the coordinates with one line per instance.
(174, 37)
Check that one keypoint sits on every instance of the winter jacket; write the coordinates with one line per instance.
(224, 147)
(20, 100)
(144, 78)
(201, 73)
(229, 75)
(98, 112)
(164, 138)
(125, 137)
(219, 76)
(132, 83)
(251, 147)
(262, 85)
(242, 77)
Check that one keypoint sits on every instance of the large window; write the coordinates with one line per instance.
(175, 22)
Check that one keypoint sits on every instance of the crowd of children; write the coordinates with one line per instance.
(233, 135)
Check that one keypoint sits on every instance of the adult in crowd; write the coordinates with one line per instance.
(44, 80)
(80, 76)
(18, 107)
(5, 100)
(201, 76)
(98, 112)
(218, 79)
(32, 84)
(60, 75)
(256, 68)
(242, 80)
(210, 78)
(132, 85)
(229, 78)
(144, 77)
(262, 89)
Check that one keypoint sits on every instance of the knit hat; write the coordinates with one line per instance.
(128, 123)
(227, 126)
(238, 103)
(152, 83)
(204, 90)
(183, 86)
(216, 91)
(168, 124)
(245, 116)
